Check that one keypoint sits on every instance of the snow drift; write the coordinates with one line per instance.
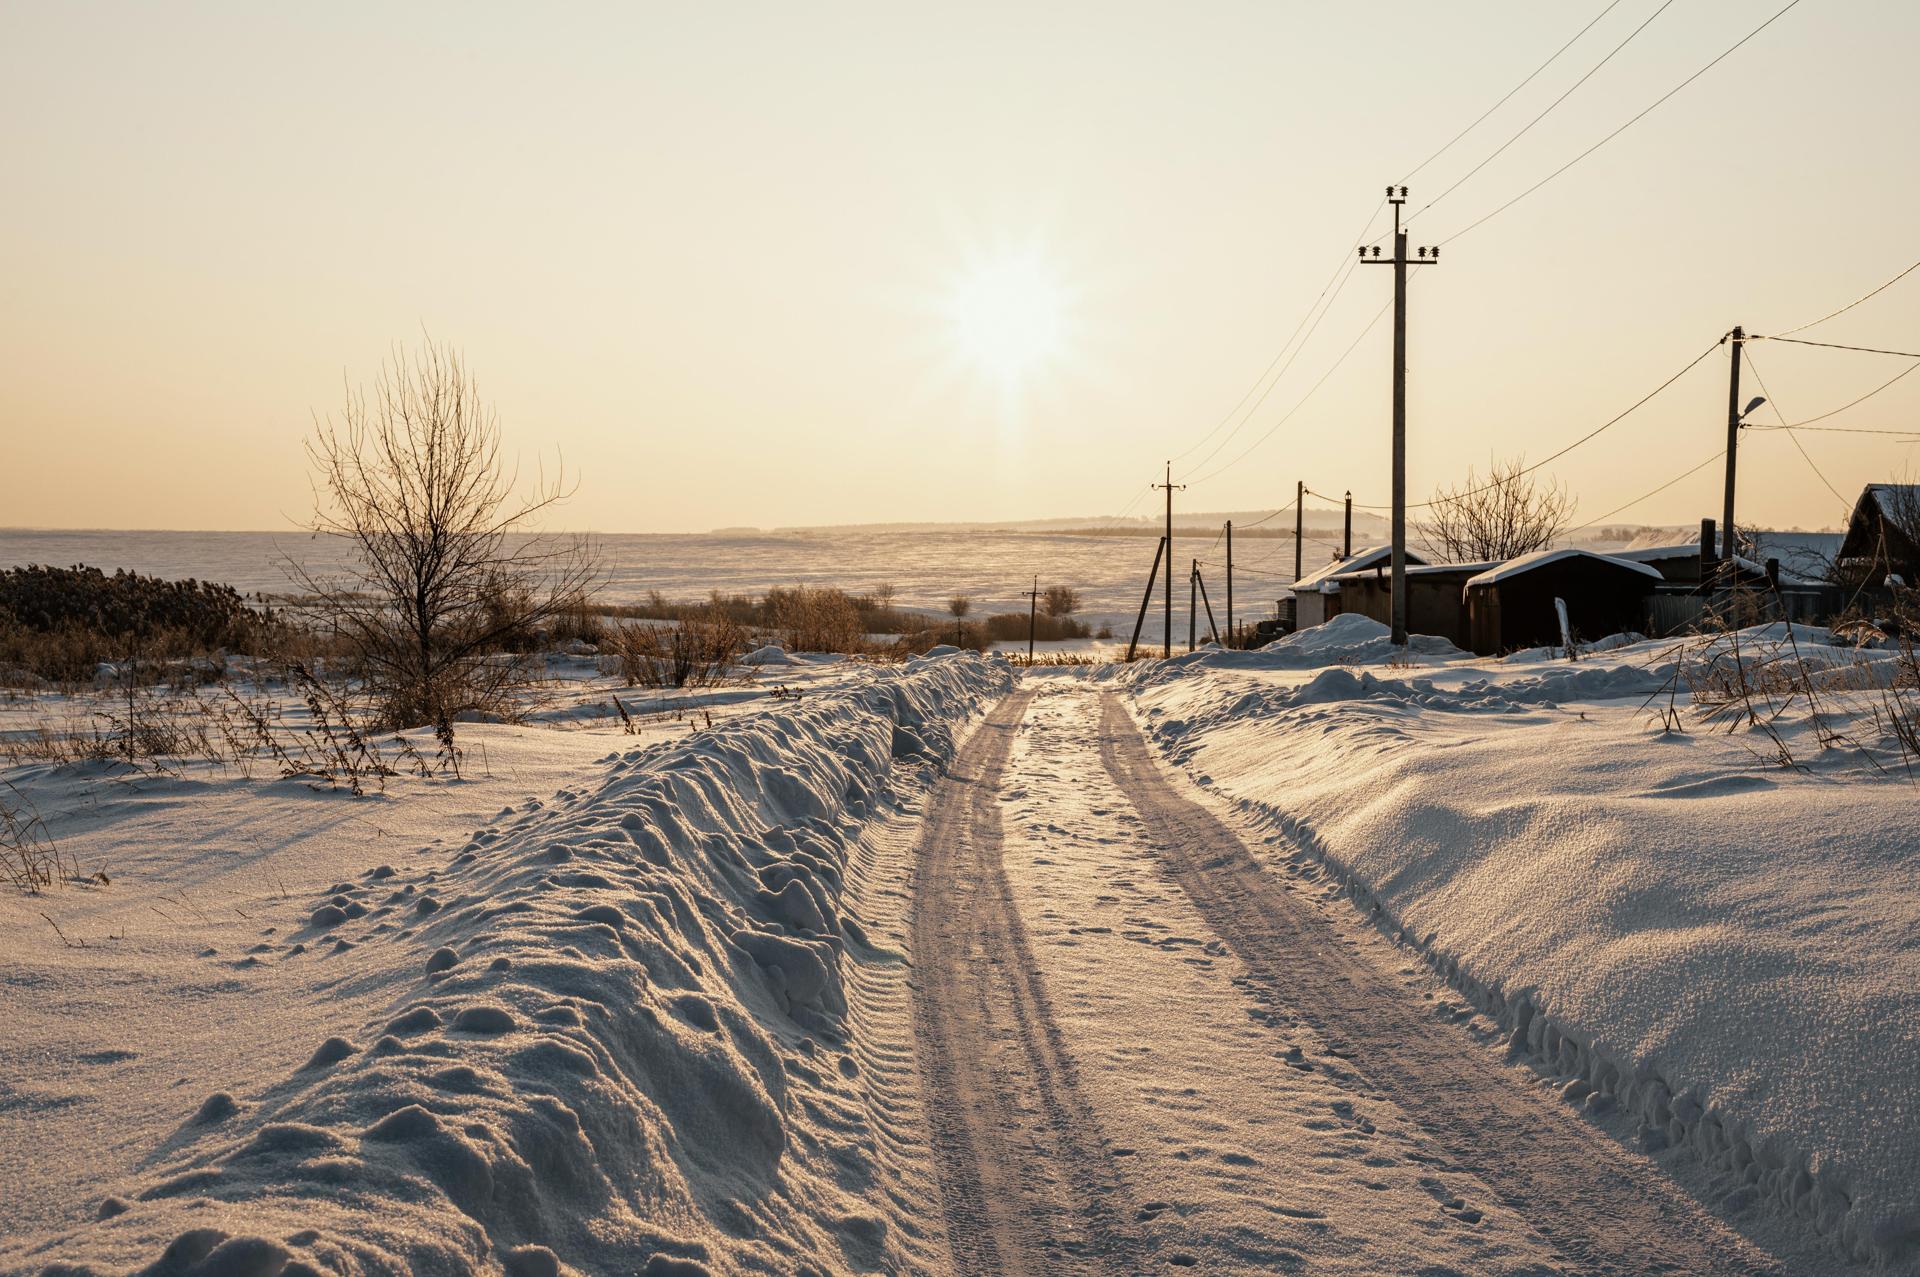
(624, 1043)
(1675, 926)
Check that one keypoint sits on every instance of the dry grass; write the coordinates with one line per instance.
(30, 860)
(698, 652)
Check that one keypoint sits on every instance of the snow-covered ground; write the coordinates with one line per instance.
(1714, 930)
(301, 1031)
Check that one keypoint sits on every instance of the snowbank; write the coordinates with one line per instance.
(621, 1043)
(1674, 925)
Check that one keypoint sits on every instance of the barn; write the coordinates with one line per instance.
(1512, 606)
(1317, 594)
(1882, 545)
(1436, 601)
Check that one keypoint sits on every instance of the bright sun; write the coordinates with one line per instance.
(1009, 315)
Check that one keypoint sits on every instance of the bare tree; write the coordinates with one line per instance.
(1506, 514)
(1060, 600)
(959, 605)
(448, 580)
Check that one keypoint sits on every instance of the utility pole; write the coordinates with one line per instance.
(1736, 339)
(1299, 523)
(1193, 601)
(1346, 542)
(1166, 646)
(1033, 605)
(1229, 582)
(1396, 196)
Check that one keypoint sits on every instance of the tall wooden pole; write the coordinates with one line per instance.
(1727, 542)
(1346, 541)
(1193, 601)
(1397, 196)
(1229, 582)
(1033, 605)
(1166, 646)
(1299, 524)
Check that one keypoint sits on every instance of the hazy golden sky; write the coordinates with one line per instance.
(781, 264)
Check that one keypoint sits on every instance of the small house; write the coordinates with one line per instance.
(1512, 606)
(1684, 565)
(1316, 596)
(1436, 599)
(1882, 545)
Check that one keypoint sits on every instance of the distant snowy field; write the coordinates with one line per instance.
(639, 1017)
(1720, 943)
(995, 569)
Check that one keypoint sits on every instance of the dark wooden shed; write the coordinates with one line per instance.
(1436, 601)
(1883, 536)
(1511, 606)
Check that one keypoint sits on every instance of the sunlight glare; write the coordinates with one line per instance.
(1009, 315)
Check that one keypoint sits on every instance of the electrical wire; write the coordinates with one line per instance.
(1667, 4)
(1411, 173)
(1486, 217)
(1348, 267)
(1591, 434)
(1335, 281)
(1838, 430)
(1248, 451)
(1834, 345)
(1850, 305)
(1774, 404)
(1843, 407)
(1685, 474)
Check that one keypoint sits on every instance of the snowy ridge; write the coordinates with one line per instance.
(1708, 954)
(625, 1043)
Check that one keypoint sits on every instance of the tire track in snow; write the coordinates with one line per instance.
(1608, 1210)
(1026, 1180)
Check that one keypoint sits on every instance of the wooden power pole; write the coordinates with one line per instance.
(1736, 340)
(1299, 528)
(1166, 646)
(1193, 601)
(1346, 540)
(1033, 606)
(1397, 196)
(1229, 582)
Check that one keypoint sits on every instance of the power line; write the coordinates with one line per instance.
(1685, 474)
(1591, 434)
(1743, 353)
(1509, 94)
(1344, 268)
(1263, 518)
(1240, 425)
(1550, 108)
(1624, 127)
(1337, 281)
(1833, 345)
(1843, 407)
(1850, 305)
(1837, 430)
(1245, 453)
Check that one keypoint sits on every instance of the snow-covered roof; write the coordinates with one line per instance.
(1354, 562)
(1688, 550)
(1804, 556)
(1416, 569)
(1540, 558)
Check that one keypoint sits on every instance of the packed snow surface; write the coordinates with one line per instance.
(1707, 920)
(610, 1031)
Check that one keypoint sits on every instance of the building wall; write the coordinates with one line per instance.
(1601, 599)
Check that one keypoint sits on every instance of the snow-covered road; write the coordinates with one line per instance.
(1140, 1048)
